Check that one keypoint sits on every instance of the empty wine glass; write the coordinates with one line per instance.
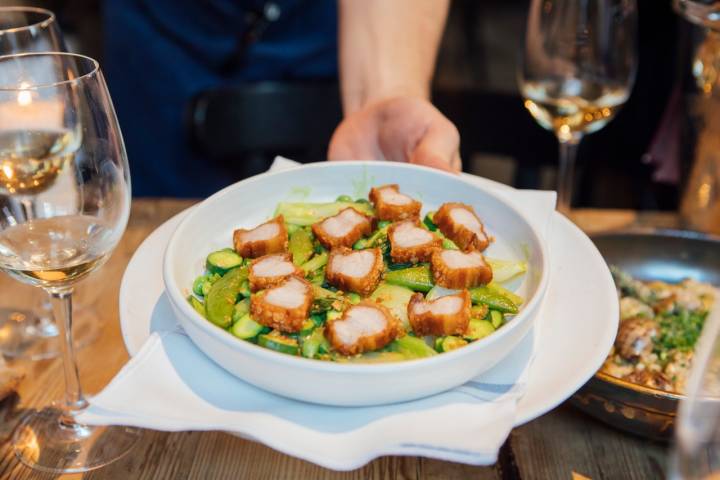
(31, 333)
(79, 215)
(696, 455)
(578, 68)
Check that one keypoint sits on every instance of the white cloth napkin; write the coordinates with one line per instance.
(171, 385)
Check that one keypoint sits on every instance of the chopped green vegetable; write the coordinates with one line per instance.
(449, 244)
(222, 261)
(411, 347)
(202, 284)
(500, 290)
(333, 315)
(344, 198)
(494, 300)
(241, 309)
(429, 223)
(221, 298)
(680, 330)
(396, 299)
(415, 278)
(478, 329)
(504, 270)
(315, 343)
(246, 327)
(354, 298)
(300, 246)
(315, 263)
(305, 214)
(307, 327)
(197, 305)
(447, 344)
(279, 342)
(244, 290)
(479, 311)
(496, 318)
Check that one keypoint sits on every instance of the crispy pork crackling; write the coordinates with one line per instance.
(343, 229)
(392, 205)
(363, 327)
(411, 243)
(460, 223)
(456, 269)
(270, 237)
(356, 271)
(285, 306)
(269, 270)
(448, 315)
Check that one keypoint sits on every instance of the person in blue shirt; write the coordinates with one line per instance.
(159, 54)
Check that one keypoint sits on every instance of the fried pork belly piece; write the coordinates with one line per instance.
(269, 270)
(363, 327)
(392, 205)
(343, 229)
(270, 237)
(456, 269)
(460, 223)
(356, 271)
(448, 315)
(285, 306)
(411, 243)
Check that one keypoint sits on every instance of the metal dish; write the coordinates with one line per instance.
(648, 254)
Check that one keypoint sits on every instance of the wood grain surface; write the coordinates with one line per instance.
(555, 446)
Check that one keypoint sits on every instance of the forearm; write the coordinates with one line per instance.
(388, 48)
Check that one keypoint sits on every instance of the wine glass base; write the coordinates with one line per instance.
(22, 337)
(44, 443)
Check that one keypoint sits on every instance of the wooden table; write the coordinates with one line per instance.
(553, 446)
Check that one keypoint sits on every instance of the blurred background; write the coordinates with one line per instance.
(641, 159)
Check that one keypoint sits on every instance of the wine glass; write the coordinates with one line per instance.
(578, 68)
(32, 333)
(79, 216)
(697, 431)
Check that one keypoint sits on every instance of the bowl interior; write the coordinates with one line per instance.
(250, 202)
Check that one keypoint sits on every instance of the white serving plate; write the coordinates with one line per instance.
(579, 282)
(246, 204)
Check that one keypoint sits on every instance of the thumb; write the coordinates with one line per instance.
(439, 147)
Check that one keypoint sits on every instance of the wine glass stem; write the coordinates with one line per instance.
(566, 174)
(62, 309)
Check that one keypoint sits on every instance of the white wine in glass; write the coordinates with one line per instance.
(77, 177)
(31, 157)
(577, 71)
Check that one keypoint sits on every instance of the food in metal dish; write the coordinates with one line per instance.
(659, 326)
(358, 280)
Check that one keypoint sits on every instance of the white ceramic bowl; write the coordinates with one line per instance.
(209, 226)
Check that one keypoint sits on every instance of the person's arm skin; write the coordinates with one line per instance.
(387, 59)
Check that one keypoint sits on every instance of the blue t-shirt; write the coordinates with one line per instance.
(160, 53)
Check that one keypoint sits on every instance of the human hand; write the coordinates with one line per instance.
(400, 129)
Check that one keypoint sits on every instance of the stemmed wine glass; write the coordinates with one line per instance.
(78, 219)
(578, 68)
(32, 333)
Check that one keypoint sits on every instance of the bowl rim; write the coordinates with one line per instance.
(221, 335)
(655, 232)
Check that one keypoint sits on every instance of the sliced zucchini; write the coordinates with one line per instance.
(197, 305)
(396, 298)
(449, 343)
(241, 309)
(333, 315)
(223, 261)
(279, 343)
(220, 300)
(412, 347)
(496, 318)
(315, 263)
(307, 327)
(478, 329)
(244, 290)
(246, 328)
(354, 298)
(202, 284)
(315, 343)
(479, 311)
